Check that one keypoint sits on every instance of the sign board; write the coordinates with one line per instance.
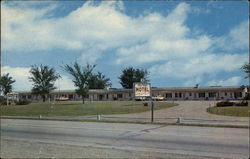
(12, 97)
(142, 90)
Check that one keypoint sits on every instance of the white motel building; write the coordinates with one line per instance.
(183, 93)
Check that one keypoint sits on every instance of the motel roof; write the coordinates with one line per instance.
(175, 89)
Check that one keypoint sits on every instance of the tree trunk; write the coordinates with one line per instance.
(43, 98)
(82, 99)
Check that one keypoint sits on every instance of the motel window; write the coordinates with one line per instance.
(176, 95)
(212, 94)
(179, 95)
(100, 97)
(129, 94)
(119, 95)
(70, 96)
(225, 93)
(190, 94)
(201, 95)
(238, 94)
(168, 95)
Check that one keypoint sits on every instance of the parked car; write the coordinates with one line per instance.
(62, 99)
(158, 98)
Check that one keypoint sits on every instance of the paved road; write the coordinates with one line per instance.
(34, 138)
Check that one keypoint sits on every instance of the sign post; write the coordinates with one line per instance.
(152, 111)
(141, 91)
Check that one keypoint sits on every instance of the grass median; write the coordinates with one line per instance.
(237, 111)
(79, 109)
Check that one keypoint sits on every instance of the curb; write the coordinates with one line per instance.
(136, 122)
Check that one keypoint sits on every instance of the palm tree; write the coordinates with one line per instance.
(43, 79)
(6, 82)
(81, 76)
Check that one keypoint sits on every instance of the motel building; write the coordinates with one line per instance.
(111, 94)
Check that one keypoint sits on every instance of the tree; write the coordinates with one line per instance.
(130, 75)
(43, 79)
(98, 81)
(6, 82)
(246, 68)
(81, 77)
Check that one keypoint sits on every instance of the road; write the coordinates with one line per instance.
(64, 139)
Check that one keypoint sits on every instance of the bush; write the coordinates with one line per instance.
(224, 104)
(145, 104)
(242, 103)
(3, 102)
(247, 97)
(23, 102)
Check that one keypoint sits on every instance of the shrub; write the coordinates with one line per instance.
(247, 97)
(145, 104)
(23, 102)
(242, 103)
(224, 104)
(3, 102)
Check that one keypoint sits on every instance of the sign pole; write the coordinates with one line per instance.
(152, 111)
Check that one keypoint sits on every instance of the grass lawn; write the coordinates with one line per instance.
(77, 108)
(240, 111)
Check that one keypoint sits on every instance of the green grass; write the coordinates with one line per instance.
(238, 111)
(77, 108)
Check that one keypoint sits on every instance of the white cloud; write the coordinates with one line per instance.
(64, 83)
(164, 42)
(232, 81)
(89, 27)
(90, 56)
(198, 66)
(193, 81)
(237, 38)
(158, 50)
(21, 75)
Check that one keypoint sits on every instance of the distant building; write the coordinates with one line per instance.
(183, 93)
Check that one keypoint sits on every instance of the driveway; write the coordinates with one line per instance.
(187, 110)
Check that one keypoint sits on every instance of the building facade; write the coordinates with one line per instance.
(187, 93)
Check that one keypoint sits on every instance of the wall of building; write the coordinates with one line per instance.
(206, 93)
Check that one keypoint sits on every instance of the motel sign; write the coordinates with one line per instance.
(142, 89)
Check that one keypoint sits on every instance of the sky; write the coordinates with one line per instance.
(180, 43)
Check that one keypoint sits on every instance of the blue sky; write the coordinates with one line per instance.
(179, 43)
